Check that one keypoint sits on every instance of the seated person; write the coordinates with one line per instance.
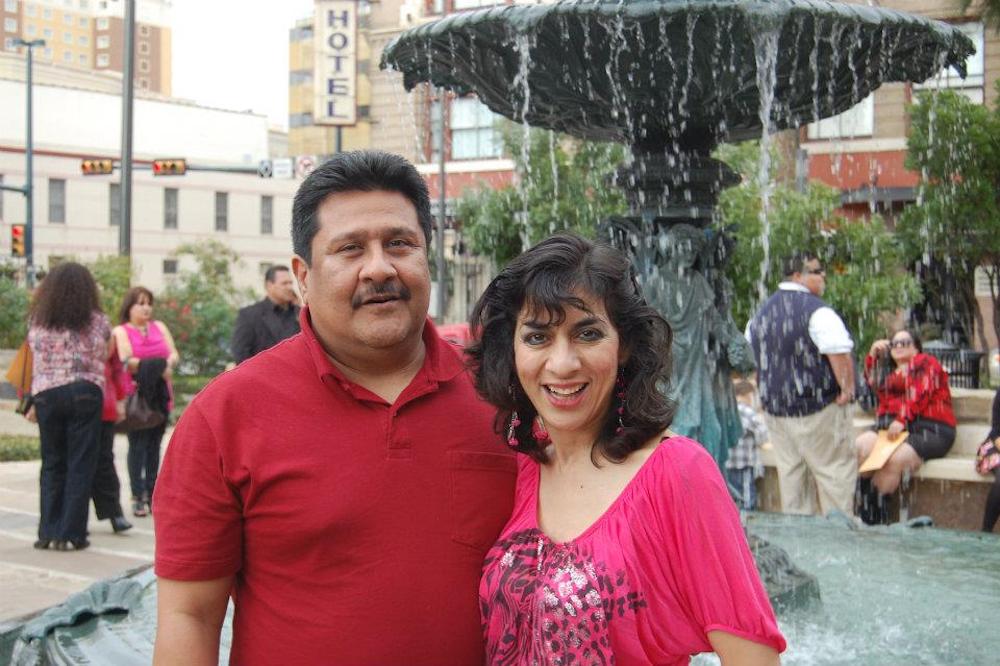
(913, 395)
(988, 462)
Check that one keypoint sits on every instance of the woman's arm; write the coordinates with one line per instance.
(174, 358)
(121, 340)
(736, 651)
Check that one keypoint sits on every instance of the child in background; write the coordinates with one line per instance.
(744, 467)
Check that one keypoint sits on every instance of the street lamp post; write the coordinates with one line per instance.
(28, 191)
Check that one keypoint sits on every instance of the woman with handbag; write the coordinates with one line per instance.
(70, 339)
(148, 353)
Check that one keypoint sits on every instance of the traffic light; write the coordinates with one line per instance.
(17, 240)
(169, 167)
(97, 167)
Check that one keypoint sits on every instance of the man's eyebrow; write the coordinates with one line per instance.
(361, 236)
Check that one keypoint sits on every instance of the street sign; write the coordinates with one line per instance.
(283, 168)
(305, 164)
(265, 169)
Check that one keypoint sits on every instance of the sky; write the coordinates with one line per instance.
(233, 54)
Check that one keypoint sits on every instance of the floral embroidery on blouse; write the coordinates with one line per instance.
(62, 357)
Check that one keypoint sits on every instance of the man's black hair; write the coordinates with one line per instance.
(356, 171)
(797, 263)
(274, 270)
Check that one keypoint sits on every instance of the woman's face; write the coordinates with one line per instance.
(568, 371)
(141, 311)
(902, 348)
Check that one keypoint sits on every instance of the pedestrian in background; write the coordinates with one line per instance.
(806, 380)
(148, 353)
(106, 492)
(266, 323)
(70, 340)
(744, 467)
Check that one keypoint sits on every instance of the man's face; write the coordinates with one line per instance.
(812, 277)
(369, 283)
(282, 290)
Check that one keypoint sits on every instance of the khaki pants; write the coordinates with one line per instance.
(818, 445)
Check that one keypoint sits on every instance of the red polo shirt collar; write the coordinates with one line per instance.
(442, 362)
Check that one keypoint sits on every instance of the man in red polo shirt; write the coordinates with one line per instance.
(342, 487)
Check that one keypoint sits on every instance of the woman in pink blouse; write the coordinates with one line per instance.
(70, 339)
(624, 545)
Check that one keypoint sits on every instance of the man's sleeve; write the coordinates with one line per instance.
(828, 332)
(242, 346)
(199, 516)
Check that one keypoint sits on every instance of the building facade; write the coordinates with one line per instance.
(90, 34)
(79, 216)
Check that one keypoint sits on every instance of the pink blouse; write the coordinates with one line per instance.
(152, 344)
(666, 563)
(64, 357)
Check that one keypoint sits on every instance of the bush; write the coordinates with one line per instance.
(19, 447)
(14, 302)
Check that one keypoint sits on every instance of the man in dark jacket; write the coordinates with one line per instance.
(262, 325)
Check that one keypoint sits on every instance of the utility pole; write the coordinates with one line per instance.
(125, 228)
(29, 181)
(442, 295)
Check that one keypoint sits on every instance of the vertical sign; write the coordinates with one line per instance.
(335, 66)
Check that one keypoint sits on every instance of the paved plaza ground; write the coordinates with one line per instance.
(36, 579)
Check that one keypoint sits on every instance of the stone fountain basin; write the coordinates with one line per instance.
(890, 596)
(637, 71)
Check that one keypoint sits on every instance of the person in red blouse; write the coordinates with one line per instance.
(913, 395)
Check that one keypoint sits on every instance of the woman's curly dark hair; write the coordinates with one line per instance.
(66, 299)
(548, 278)
(132, 296)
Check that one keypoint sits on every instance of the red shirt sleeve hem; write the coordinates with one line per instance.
(194, 571)
(777, 641)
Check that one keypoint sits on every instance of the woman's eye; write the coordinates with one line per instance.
(534, 338)
(591, 335)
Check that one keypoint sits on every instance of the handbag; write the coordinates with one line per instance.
(139, 415)
(987, 457)
(19, 374)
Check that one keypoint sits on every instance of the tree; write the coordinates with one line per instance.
(563, 185)
(200, 307)
(954, 227)
(989, 10)
(866, 276)
(113, 275)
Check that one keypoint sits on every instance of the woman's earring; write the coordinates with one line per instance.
(539, 432)
(620, 383)
(511, 434)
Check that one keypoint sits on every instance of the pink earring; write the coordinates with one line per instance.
(539, 432)
(511, 434)
(620, 383)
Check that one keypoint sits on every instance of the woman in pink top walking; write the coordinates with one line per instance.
(624, 545)
(139, 337)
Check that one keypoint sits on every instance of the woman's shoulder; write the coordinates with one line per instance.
(676, 462)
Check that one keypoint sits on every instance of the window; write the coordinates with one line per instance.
(57, 201)
(949, 78)
(300, 34)
(143, 83)
(473, 131)
(102, 23)
(47, 14)
(266, 215)
(300, 76)
(47, 52)
(114, 204)
(170, 208)
(67, 56)
(67, 38)
(84, 59)
(143, 30)
(68, 19)
(83, 40)
(83, 4)
(144, 66)
(859, 120)
(103, 41)
(474, 4)
(102, 60)
(170, 267)
(8, 44)
(221, 211)
(11, 6)
(143, 48)
(84, 23)
(10, 25)
(47, 33)
(300, 120)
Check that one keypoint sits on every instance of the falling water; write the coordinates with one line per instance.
(522, 43)
(766, 54)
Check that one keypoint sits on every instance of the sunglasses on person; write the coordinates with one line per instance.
(900, 344)
(817, 270)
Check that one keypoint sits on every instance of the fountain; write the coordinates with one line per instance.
(671, 80)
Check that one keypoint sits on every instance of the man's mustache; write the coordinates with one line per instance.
(389, 289)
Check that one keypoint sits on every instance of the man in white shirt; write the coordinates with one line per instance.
(806, 380)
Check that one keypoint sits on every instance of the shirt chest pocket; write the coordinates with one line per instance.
(482, 496)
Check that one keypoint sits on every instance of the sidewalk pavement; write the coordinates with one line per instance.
(33, 580)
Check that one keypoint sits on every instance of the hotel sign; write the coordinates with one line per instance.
(336, 35)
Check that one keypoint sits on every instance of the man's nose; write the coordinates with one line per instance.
(377, 266)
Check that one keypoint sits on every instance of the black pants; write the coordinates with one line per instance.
(106, 491)
(144, 460)
(69, 426)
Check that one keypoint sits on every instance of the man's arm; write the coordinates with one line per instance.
(189, 619)
(843, 370)
(242, 346)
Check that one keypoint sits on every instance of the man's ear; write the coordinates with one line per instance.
(301, 271)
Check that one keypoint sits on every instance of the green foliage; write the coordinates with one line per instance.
(988, 10)
(199, 307)
(14, 304)
(865, 269)
(113, 274)
(19, 447)
(955, 146)
(564, 183)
